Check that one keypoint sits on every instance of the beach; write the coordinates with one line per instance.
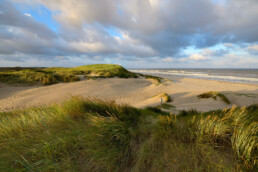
(137, 92)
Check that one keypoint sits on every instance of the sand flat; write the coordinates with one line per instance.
(136, 92)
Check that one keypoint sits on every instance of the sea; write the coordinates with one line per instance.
(249, 76)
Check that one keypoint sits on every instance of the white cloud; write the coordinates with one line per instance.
(10, 29)
(27, 14)
(168, 59)
(154, 3)
(86, 47)
(207, 52)
(253, 47)
(197, 57)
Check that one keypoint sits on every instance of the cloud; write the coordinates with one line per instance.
(145, 29)
(10, 16)
(20, 33)
(168, 59)
(217, 52)
(27, 14)
(203, 22)
(197, 57)
(193, 58)
(253, 49)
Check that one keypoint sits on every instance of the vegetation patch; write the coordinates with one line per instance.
(93, 135)
(104, 71)
(154, 78)
(245, 94)
(165, 106)
(47, 76)
(165, 97)
(214, 95)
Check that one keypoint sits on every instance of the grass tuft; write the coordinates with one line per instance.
(165, 97)
(214, 95)
(157, 79)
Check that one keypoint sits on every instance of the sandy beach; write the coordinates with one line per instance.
(136, 92)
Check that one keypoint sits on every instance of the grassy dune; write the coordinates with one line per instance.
(92, 135)
(214, 95)
(47, 76)
(166, 98)
(156, 79)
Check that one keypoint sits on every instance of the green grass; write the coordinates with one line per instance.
(166, 106)
(93, 135)
(155, 78)
(31, 76)
(97, 67)
(165, 97)
(47, 76)
(214, 95)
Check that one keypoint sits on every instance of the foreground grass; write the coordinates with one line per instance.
(47, 76)
(92, 135)
(165, 106)
(214, 95)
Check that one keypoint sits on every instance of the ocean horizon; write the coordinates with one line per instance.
(249, 76)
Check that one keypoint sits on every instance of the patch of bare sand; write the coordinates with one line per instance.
(8, 90)
(136, 92)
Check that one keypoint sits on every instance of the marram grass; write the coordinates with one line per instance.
(93, 135)
(214, 95)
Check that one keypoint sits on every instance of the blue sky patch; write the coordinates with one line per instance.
(41, 14)
(113, 31)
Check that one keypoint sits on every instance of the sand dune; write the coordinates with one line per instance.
(136, 92)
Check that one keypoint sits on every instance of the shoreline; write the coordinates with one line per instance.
(174, 76)
(201, 79)
(208, 76)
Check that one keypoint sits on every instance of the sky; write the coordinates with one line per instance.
(131, 33)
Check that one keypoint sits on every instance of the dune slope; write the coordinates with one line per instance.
(137, 92)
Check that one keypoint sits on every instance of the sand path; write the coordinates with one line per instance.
(136, 92)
